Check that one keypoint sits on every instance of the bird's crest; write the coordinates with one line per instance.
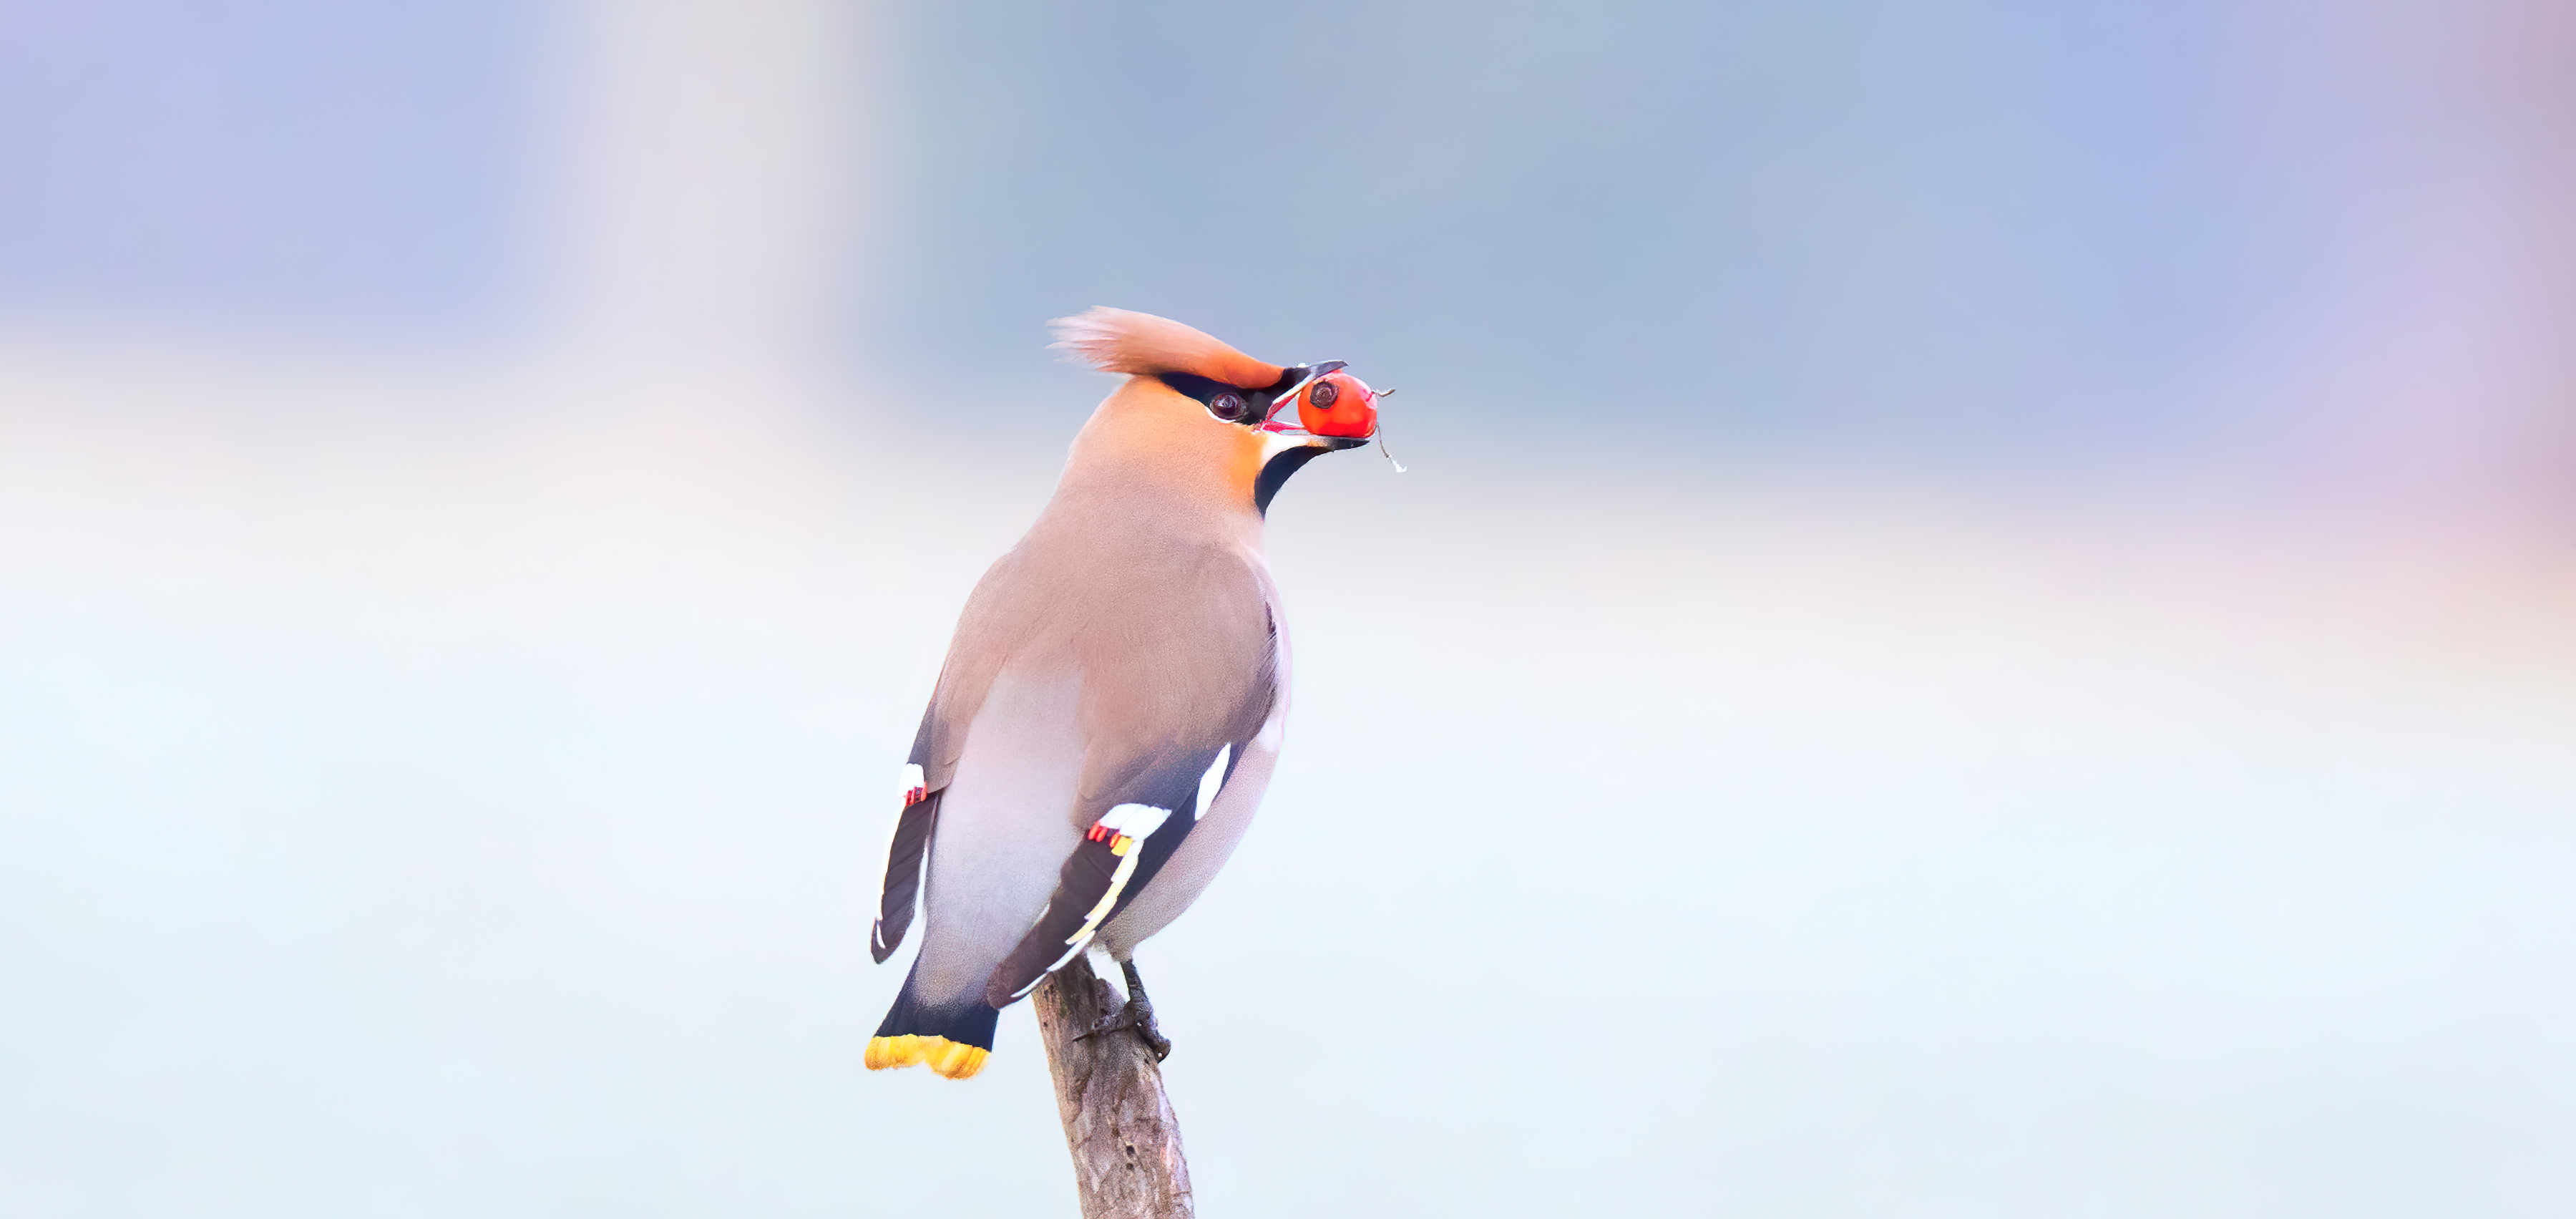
(1143, 345)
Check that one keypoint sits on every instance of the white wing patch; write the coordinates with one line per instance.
(1213, 780)
(1127, 821)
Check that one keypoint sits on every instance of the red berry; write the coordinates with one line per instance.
(1338, 404)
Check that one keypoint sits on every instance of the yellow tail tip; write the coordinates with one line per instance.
(952, 1059)
(884, 1052)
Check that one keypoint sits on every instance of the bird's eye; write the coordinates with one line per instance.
(1227, 406)
(1322, 395)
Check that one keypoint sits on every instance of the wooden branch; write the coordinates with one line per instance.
(1126, 1145)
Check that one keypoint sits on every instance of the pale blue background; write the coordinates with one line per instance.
(1979, 625)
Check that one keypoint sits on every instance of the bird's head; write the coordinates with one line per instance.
(1193, 405)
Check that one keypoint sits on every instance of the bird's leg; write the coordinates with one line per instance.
(1137, 1015)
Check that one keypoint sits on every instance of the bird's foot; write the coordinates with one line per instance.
(1138, 1014)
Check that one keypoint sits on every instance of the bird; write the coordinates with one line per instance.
(1111, 705)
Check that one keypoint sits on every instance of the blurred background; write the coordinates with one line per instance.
(1982, 621)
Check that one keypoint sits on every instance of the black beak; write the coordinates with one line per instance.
(1296, 375)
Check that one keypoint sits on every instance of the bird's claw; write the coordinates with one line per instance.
(1138, 1014)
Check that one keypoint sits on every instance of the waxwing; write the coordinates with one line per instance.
(1110, 708)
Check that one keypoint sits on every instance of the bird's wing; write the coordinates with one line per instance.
(1118, 856)
(904, 856)
(974, 657)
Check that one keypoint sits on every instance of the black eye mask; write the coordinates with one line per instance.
(1248, 407)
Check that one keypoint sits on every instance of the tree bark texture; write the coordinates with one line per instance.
(1109, 1090)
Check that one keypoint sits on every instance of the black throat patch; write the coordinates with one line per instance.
(1274, 473)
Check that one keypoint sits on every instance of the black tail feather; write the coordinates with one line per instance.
(970, 1021)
